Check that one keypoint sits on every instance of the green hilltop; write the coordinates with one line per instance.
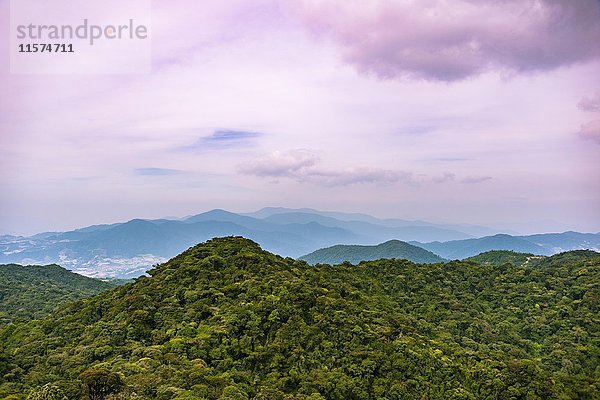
(227, 320)
(31, 291)
(356, 253)
(499, 257)
(568, 257)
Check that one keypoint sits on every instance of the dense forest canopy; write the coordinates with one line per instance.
(31, 291)
(227, 320)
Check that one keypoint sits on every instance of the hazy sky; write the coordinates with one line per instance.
(451, 111)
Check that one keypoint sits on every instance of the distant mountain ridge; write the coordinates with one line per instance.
(541, 244)
(468, 229)
(355, 253)
(128, 249)
(494, 250)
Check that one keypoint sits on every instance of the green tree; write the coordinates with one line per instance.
(47, 392)
(99, 383)
(233, 393)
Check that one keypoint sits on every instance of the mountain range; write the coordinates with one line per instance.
(129, 249)
(540, 244)
(227, 320)
(501, 248)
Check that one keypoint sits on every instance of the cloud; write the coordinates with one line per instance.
(230, 136)
(224, 139)
(448, 41)
(591, 131)
(590, 104)
(446, 177)
(475, 179)
(278, 164)
(302, 165)
(153, 171)
(360, 176)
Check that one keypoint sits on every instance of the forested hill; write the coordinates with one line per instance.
(31, 291)
(568, 257)
(227, 320)
(355, 253)
(499, 257)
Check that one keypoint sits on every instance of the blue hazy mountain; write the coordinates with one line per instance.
(541, 244)
(376, 233)
(560, 242)
(128, 249)
(280, 213)
(500, 247)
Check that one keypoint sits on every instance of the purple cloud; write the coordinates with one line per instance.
(590, 104)
(251, 64)
(302, 166)
(591, 131)
(446, 177)
(360, 176)
(278, 164)
(448, 41)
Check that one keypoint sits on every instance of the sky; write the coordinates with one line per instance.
(482, 112)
